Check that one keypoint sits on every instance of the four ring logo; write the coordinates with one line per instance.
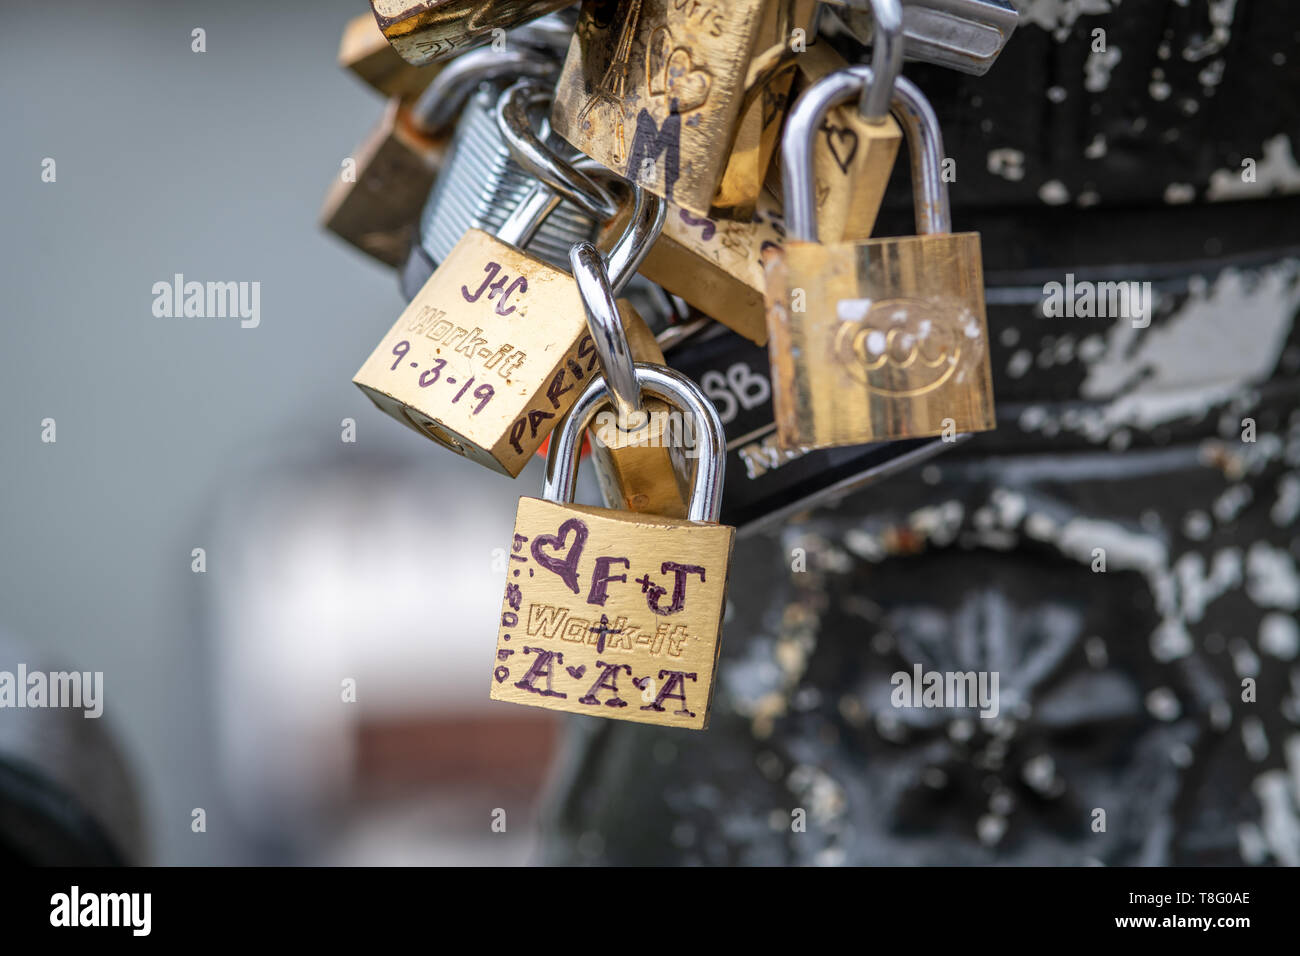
(901, 348)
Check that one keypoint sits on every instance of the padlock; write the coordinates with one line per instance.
(767, 485)
(493, 315)
(611, 613)
(429, 31)
(684, 99)
(479, 185)
(883, 338)
(963, 35)
(716, 265)
(637, 445)
(377, 207)
(365, 51)
(856, 145)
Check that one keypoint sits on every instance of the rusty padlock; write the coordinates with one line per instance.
(879, 339)
(610, 613)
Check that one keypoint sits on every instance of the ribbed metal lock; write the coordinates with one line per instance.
(479, 186)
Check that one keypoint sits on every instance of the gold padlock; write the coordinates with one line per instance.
(637, 445)
(429, 31)
(610, 613)
(683, 98)
(856, 144)
(716, 265)
(365, 51)
(490, 353)
(879, 339)
(377, 208)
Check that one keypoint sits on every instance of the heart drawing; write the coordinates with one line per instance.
(567, 566)
(672, 74)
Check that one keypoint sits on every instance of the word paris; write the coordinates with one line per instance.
(75, 908)
(208, 300)
(955, 689)
(55, 689)
(592, 600)
(1101, 300)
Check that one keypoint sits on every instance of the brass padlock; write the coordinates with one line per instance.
(489, 355)
(610, 613)
(365, 51)
(429, 31)
(637, 445)
(683, 98)
(856, 144)
(884, 338)
(376, 209)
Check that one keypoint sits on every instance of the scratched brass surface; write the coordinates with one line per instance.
(430, 31)
(642, 469)
(716, 265)
(365, 51)
(612, 614)
(891, 342)
(395, 169)
(510, 322)
(667, 94)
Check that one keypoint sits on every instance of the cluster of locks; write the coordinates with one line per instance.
(746, 346)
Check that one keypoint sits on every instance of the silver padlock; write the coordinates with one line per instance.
(479, 185)
(962, 35)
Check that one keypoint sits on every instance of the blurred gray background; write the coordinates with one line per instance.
(370, 560)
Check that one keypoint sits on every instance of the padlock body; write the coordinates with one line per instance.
(716, 265)
(488, 356)
(656, 91)
(642, 465)
(879, 340)
(853, 158)
(430, 31)
(378, 209)
(612, 614)
(365, 51)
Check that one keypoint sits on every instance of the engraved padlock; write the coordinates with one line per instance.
(637, 444)
(963, 35)
(685, 99)
(430, 31)
(377, 207)
(478, 187)
(716, 265)
(856, 145)
(489, 355)
(767, 484)
(611, 613)
(883, 338)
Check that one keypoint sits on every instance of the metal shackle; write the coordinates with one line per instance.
(677, 390)
(438, 106)
(530, 151)
(631, 248)
(606, 328)
(920, 130)
(886, 56)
